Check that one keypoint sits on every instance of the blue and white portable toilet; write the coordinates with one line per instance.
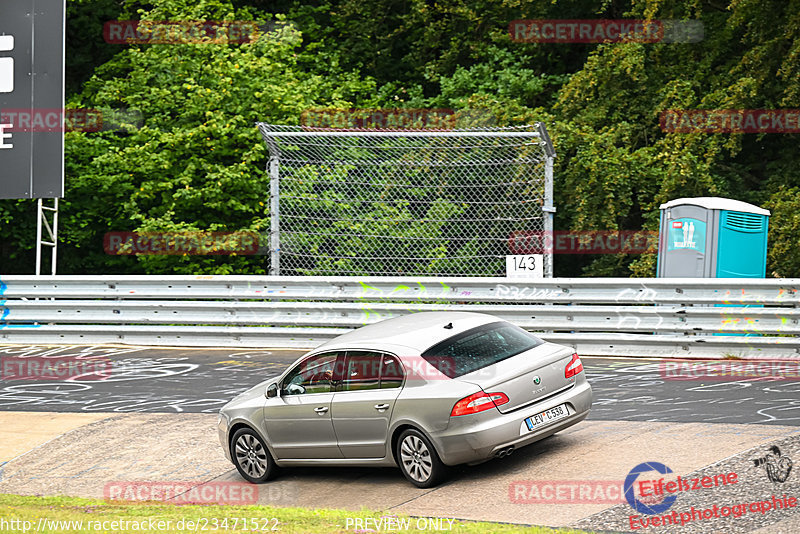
(712, 237)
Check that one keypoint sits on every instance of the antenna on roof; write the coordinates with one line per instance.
(449, 326)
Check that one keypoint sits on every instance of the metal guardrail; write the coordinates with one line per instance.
(643, 317)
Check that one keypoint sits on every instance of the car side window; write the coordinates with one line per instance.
(391, 372)
(362, 371)
(313, 375)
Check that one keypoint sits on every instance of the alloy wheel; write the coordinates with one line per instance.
(251, 455)
(416, 458)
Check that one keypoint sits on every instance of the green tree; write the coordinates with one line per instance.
(197, 161)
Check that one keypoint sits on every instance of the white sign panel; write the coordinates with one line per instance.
(6, 64)
(525, 266)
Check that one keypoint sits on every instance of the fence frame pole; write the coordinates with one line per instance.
(548, 209)
(274, 216)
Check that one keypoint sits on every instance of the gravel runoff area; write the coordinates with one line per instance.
(764, 475)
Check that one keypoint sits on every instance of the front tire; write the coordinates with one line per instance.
(418, 459)
(251, 457)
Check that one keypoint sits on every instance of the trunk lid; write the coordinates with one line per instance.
(517, 376)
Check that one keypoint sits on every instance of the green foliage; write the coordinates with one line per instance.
(197, 162)
(783, 257)
(86, 47)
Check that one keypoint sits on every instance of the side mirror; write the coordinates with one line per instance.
(272, 391)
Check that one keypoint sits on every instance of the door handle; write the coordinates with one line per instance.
(321, 410)
(381, 407)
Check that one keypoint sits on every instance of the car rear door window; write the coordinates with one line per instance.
(391, 372)
(362, 371)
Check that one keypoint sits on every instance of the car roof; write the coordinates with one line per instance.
(417, 331)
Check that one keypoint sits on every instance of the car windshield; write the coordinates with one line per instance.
(479, 348)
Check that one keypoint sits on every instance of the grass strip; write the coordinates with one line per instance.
(74, 514)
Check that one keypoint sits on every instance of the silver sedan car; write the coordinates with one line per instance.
(423, 392)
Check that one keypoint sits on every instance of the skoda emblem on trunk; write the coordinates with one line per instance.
(537, 380)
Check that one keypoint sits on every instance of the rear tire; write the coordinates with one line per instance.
(418, 459)
(251, 457)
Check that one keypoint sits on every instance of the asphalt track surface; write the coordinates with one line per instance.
(156, 401)
(154, 380)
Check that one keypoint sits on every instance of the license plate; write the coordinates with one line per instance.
(548, 416)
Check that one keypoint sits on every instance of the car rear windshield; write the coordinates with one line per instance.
(479, 348)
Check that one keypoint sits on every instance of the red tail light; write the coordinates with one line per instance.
(574, 366)
(478, 402)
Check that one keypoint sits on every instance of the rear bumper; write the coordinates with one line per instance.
(478, 437)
